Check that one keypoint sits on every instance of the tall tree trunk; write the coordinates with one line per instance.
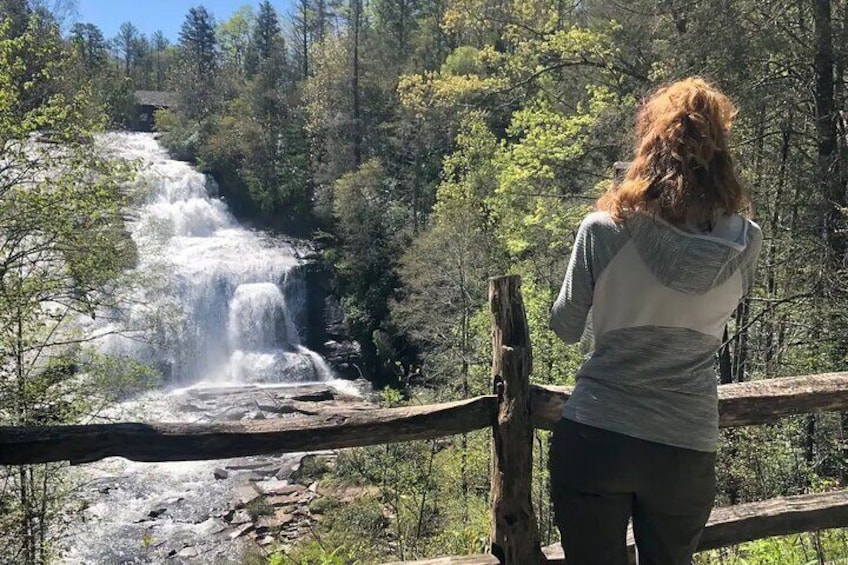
(304, 37)
(27, 533)
(404, 6)
(320, 20)
(832, 190)
(740, 351)
(356, 14)
(775, 329)
(810, 441)
(158, 69)
(833, 198)
(25, 498)
(467, 312)
(725, 364)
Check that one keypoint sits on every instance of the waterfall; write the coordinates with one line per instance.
(213, 302)
(219, 308)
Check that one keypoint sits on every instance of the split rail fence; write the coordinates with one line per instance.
(514, 409)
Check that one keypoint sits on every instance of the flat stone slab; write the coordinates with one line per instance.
(245, 494)
(278, 488)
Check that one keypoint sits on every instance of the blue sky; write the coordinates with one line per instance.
(151, 15)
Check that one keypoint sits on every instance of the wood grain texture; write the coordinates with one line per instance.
(514, 533)
(756, 520)
(739, 404)
(188, 442)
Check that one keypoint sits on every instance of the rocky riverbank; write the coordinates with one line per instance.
(206, 511)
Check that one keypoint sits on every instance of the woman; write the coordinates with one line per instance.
(658, 269)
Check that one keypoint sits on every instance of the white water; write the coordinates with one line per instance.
(213, 305)
(216, 303)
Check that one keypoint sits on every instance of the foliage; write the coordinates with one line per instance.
(421, 506)
(314, 553)
(234, 38)
(62, 208)
(259, 507)
(830, 546)
(366, 247)
(197, 65)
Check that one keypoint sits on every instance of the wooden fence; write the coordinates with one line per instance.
(515, 408)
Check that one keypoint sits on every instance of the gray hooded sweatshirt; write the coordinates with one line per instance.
(657, 299)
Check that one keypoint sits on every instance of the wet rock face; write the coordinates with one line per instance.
(344, 357)
(327, 328)
(205, 511)
(334, 318)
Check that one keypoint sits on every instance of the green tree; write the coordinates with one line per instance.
(399, 20)
(126, 45)
(266, 41)
(234, 37)
(365, 226)
(198, 64)
(161, 59)
(302, 29)
(90, 45)
(439, 308)
(16, 14)
(62, 216)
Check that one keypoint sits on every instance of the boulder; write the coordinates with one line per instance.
(241, 530)
(273, 523)
(244, 495)
(188, 552)
(235, 413)
(240, 517)
(313, 466)
(343, 357)
(276, 487)
(287, 500)
(316, 396)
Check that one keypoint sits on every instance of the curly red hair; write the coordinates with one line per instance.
(682, 169)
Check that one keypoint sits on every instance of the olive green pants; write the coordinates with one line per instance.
(601, 479)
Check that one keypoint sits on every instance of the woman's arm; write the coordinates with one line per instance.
(568, 315)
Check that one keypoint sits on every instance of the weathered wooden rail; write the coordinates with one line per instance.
(744, 404)
(512, 412)
(185, 442)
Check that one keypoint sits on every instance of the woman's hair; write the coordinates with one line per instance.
(682, 169)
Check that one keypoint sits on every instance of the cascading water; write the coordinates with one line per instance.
(216, 307)
(221, 296)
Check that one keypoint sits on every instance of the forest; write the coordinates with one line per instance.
(425, 146)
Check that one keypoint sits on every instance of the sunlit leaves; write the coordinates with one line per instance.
(62, 209)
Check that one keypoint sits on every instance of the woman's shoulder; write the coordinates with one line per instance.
(603, 231)
(600, 221)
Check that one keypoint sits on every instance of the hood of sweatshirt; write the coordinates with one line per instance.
(690, 262)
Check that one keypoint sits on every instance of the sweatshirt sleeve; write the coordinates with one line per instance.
(751, 256)
(569, 312)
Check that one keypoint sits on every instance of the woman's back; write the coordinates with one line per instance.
(660, 297)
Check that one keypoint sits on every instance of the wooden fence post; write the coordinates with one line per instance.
(514, 533)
